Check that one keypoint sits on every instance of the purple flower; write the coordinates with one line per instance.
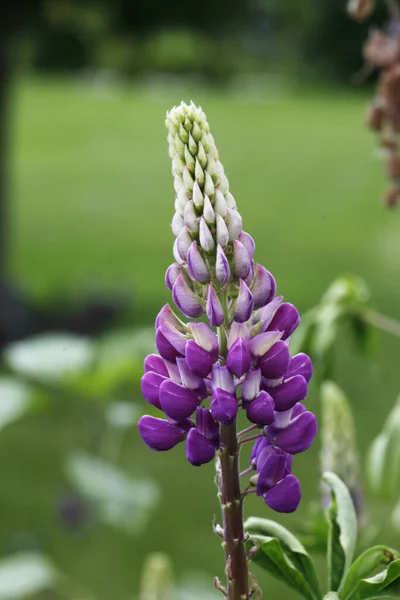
(289, 392)
(297, 436)
(275, 361)
(244, 303)
(199, 450)
(214, 310)
(238, 359)
(224, 406)
(286, 319)
(300, 365)
(199, 360)
(160, 435)
(263, 287)
(196, 265)
(261, 409)
(185, 299)
(285, 496)
(176, 401)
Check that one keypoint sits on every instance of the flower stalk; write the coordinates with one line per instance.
(239, 360)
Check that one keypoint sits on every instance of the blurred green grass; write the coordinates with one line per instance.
(93, 199)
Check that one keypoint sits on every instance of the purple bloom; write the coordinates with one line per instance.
(196, 265)
(172, 274)
(150, 386)
(238, 359)
(285, 496)
(222, 269)
(199, 450)
(275, 361)
(244, 303)
(155, 363)
(164, 347)
(263, 287)
(160, 435)
(300, 365)
(289, 392)
(286, 319)
(199, 360)
(185, 299)
(214, 310)
(241, 260)
(176, 401)
(297, 436)
(224, 406)
(206, 425)
(261, 409)
(271, 464)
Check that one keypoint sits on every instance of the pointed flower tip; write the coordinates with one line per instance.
(214, 310)
(158, 434)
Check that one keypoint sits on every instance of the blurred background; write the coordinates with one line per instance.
(86, 201)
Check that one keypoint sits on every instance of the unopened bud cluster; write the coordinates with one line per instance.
(245, 364)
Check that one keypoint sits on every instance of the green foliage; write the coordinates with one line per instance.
(366, 564)
(342, 304)
(282, 554)
(342, 538)
(383, 461)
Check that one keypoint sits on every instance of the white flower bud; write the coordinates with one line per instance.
(181, 200)
(178, 183)
(187, 179)
(223, 184)
(208, 185)
(183, 134)
(177, 224)
(208, 211)
(230, 201)
(177, 165)
(199, 173)
(196, 132)
(190, 218)
(211, 165)
(222, 231)
(192, 146)
(190, 161)
(234, 223)
(198, 198)
(201, 155)
(220, 203)
(206, 239)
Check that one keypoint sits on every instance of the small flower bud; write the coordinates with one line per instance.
(214, 310)
(199, 173)
(230, 201)
(208, 211)
(164, 347)
(198, 198)
(185, 299)
(190, 218)
(155, 363)
(192, 146)
(206, 239)
(178, 165)
(263, 287)
(247, 242)
(234, 223)
(201, 155)
(196, 265)
(171, 274)
(244, 303)
(184, 242)
(241, 261)
(222, 233)
(220, 206)
(178, 183)
(181, 200)
(177, 224)
(187, 179)
(208, 185)
(222, 269)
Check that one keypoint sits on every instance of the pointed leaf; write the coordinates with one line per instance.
(366, 564)
(291, 545)
(342, 538)
(272, 557)
(383, 585)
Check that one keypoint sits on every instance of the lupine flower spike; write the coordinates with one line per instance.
(238, 360)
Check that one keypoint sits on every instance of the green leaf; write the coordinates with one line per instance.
(121, 501)
(15, 400)
(364, 566)
(50, 357)
(293, 548)
(383, 585)
(25, 574)
(383, 461)
(272, 557)
(342, 538)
